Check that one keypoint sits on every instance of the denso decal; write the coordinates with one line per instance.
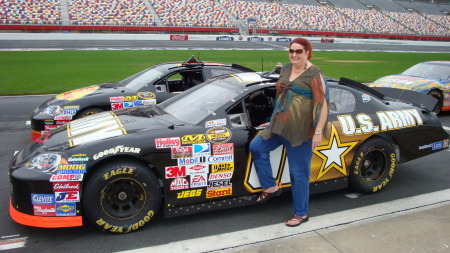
(120, 171)
(115, 150)
(219, 176)
(197, 169)
(191, 160)
(181, 152)
(67, 197)
(72, 168)
(216, 123)
(78, 93)
(218, 135)
(220, 159)
(179, 183)
(201, 149)
(176, 171)
(116, 99)
(168, 142)
(42, 199)
(66, 209)
(66, 186)
(93, 128)
(389, 120)
(66, 177)
(199, 180)
(44, 210)
(146, 95)
(222, 167)
(193, 138)
(218, 193)
(189, 194)
(223, 149)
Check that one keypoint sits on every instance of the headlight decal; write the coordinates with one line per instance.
(47, 163)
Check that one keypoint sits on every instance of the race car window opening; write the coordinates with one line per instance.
(221, 71)
(237, 117)
(144, 78)
(341, 101)
(426, 70)
(260, 105)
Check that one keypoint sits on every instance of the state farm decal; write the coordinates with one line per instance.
(66, 186)
(199, 180)
(218, 135)
(179, 183)
(115, 150)
(66, 178)
(387, 120)
(175, 171)
(93, 128)
(201, 149)
(197, 169)
(67, 196)
(223, 149)
(168, 142)
(179, 37)
(180, 152)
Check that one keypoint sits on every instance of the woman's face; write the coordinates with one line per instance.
(297, 54)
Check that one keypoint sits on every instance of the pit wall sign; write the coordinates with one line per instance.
(332, 158)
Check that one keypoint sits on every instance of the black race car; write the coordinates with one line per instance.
(150, 86)
(190, 154)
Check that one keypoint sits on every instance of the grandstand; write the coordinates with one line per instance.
(357, 18)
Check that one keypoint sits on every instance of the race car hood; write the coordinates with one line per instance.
(405, 82)
(106, 126)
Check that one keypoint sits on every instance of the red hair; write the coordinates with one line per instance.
(306, 45)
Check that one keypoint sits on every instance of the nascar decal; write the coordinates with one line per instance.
(78, 93)
(146, 95)
(218, 135)
(333, 154)
(96, 127)
(388, 120)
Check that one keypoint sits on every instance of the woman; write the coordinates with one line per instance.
(298, 122)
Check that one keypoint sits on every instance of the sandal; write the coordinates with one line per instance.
(266, 196)
(297, 220)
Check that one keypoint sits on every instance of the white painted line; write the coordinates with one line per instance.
(8, 236)
(28, 123)
(333, 220)
(13, 243)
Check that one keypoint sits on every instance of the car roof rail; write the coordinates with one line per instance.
(242, 68)
(361, 87)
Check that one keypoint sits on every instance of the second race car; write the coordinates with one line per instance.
(190, 154)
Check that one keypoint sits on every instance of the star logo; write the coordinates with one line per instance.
(333, 154)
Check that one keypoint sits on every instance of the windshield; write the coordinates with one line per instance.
(429, 70)
(197, 103)
(143, 78)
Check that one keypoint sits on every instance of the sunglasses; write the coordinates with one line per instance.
(297, 51)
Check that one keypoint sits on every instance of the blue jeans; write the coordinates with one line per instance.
(299, 159)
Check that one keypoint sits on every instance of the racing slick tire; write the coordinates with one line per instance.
(373, 166)
(438, 95)
(122, 196)
(88, 111)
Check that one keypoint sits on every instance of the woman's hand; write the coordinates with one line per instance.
(264, 124)
(280, 86)
(317, 138)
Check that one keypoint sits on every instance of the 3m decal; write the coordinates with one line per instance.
(201, 149)
(115, 150)
(168, 142)
(218, 193)
(44, 210)
(189, 194)
(72, 168)
(181, 152)
(179, 183)
(119, 171)
(96, 127)
(388, 120)
(222, 167)
(193, 138)
(333, 154)
(67, 197)
(117, 106)
(42, 199)
(223, 149)
(66, 178)
(66, 209)
(198, 180)
(176, 171)
(218, 135)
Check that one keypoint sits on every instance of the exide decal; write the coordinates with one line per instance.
(66, 186)
(168, 142)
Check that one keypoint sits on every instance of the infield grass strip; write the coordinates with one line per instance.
(58, 71)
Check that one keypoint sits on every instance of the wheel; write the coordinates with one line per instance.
(438, 95)
(373, 166)
(87, 112)
(121, 197)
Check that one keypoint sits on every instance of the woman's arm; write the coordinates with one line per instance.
(318, 132)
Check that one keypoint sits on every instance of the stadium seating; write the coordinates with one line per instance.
(31, 12)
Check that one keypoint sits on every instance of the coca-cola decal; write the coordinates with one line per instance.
(179, 37)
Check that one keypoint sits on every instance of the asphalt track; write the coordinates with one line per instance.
(427, 176)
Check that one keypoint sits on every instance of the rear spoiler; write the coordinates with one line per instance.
(242, 68)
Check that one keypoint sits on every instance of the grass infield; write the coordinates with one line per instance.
(59, 71)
